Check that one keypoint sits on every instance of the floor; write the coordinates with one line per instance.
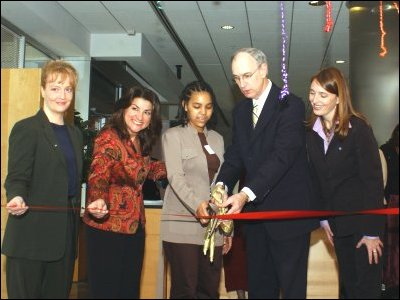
(80, 291)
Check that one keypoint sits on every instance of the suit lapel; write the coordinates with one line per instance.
(50, 136)
(319, 144)
(269, 109)
(248, 117)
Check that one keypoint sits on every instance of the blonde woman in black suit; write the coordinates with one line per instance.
(193, 153)
(348, 177)
(44, 169)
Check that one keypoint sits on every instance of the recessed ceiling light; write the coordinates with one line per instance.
(227, 27)
(357, 8)
(317, 3)
(386, 7)
(340, 61)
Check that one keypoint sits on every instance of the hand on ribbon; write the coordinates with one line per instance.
(98, 208)
(16, 206)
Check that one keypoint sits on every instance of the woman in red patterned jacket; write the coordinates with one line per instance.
(115, 211)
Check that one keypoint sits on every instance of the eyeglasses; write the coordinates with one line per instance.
(245, 77)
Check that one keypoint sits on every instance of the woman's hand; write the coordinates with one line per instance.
(202, 210)
(227, 244)
(17, 206)
(374, 247)
(329, 234)
(98, 208)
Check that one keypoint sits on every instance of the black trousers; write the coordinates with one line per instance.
(115, 263)
(359, 279)
(276, 267)
(193, 276)
(35, 279)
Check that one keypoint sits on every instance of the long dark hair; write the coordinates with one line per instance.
(196, 87)
(147, 136)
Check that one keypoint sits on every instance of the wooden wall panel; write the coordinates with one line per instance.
(20, 98)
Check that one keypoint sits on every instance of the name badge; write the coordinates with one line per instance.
(209, 149)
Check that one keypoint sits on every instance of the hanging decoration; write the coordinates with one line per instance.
(285, 88)
(396, 6)
(383, 32)
(328, 16)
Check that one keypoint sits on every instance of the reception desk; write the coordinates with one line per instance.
(152, 253)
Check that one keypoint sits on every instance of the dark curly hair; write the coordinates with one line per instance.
(195, 87)
(147, 136)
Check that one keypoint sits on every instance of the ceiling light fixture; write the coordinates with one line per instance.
(159, 5)
(317, 3)
(227, 27)
(340, 61)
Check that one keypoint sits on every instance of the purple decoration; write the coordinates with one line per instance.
(285, 88)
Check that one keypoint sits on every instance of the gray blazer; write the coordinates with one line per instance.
(188, 183)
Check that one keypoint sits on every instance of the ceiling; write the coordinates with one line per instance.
(67, 28)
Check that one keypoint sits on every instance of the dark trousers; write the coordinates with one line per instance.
(193, 276)
(35, 279)
(276, 267)
(115, 263)
(359, 279)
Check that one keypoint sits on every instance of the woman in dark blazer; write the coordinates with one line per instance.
(44, 169)
(347, 174)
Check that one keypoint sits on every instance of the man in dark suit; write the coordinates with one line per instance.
(269, 146)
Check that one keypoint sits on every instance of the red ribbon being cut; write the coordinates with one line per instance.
(261, 215)
(301, 214)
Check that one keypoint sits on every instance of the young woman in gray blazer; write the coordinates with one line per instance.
(193, 154)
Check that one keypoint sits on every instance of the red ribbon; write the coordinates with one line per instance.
(300, 214)
(262, 215)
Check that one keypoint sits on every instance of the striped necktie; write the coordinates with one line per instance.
(255, 114)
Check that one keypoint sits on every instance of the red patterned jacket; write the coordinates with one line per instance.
(117, 175)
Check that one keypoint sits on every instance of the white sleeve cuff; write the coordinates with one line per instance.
(249, 193)
(323, 223)
(371, 237)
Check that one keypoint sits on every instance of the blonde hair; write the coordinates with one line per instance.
(53, 68)
(333, 81)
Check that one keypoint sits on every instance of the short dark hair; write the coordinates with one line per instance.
(148, 136)
(196, 87)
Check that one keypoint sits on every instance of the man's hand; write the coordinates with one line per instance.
(236, 201)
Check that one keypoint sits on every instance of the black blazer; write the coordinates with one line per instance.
(273, 157)
(37, 171)
(349, 177)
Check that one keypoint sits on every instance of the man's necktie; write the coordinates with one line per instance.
(255, 114)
